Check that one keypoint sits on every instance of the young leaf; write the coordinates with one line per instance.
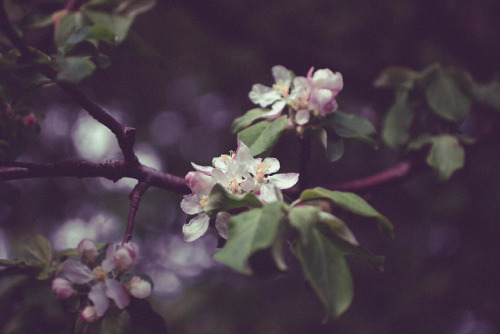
(117, 23)
(489, 94)
(249, 232)
(397, 122)
(262, 136)
(350, 202)
(75, 69)
(248, 118)
(303, 218)
(66, 26)
(326, 270)
(351, 126)
(396, 77)
(332, 143)
(220, 200)
(446, 99)
(446, 155)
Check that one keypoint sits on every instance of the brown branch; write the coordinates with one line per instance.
(391, 174)
(111, 169)
(135, 200)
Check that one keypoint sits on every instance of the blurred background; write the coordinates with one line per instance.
(182, 77)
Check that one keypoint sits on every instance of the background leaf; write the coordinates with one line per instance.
(262, 136)
(248, 118)
(353, 203)
(446, 99)
(446, 155)
(397, 122)
(249, 232)
(326, 270)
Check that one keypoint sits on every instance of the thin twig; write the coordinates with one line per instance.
(135, 200)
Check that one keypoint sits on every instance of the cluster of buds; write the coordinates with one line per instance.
(101, 283)
(306, 97)
(239, 173)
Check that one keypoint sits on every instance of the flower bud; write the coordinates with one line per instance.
(139, 288)
(88, 314)
(62, 288)
(125, 256)
(87, 251)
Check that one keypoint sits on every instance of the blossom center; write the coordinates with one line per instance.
(100, 274)
(282, 88)
(261, 169)
(203, 201)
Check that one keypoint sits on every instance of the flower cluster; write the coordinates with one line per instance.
(306, 97)
(101, 282)
(239, 173)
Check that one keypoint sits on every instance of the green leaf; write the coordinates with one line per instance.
(101, 32)
(117, 322)
(331, 142)
(220, 200)
(79, 35)
(75, 69)
(420, 141)
(350, 202)
(446, 99)
(39, 249)
(446, 155)
(396, 77)
(303, 218)
(397, 122)
(248, 118)
(249, 232)
(66, 26)
(351, 126)
(489, 94)
(326, 270)
(119, 24)
(262, 136)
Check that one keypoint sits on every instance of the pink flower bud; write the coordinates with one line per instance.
(87, 250)
(139, 288)
(62, 288)
(29, 120)
(125, 256)
(88, 314)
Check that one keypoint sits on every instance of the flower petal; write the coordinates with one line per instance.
(97, 295)
(281, 75)
(284, 180)
(116, 291)
(221, 223)
(269, 193)
(276, 110)
(273, 165)
(263, 95)
(196, 227)
(108, 263)
(191, 204)
(302, 117)
(77, 272)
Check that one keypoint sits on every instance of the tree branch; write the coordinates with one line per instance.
(391, 174)
(135, 200)
(111, 169)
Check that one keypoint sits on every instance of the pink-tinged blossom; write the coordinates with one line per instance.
(104, 287)
(125, 256)
(239, 173)
(62, 288)
(324, 86)
(88, 314)
(87, 250)
(139, 288)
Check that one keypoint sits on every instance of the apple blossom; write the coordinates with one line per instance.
(87, 250)
(88, 314)
(324, 86)
(62, 288)
(139, 288)
(239, 173)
